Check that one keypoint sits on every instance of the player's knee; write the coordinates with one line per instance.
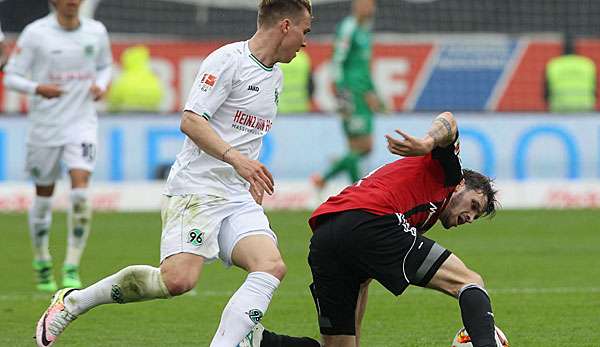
(178, 283)
(276, 268)
(469, 278)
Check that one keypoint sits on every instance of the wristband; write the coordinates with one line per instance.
(226, 151)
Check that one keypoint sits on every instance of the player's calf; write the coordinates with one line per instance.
(477, 316)
(455, 279)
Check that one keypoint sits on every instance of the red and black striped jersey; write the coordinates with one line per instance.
(419, 188)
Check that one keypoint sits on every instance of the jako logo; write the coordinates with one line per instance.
(253, 88)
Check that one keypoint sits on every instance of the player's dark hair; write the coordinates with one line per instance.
(271, 11)
(483, 184)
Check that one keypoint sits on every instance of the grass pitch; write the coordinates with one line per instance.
(542, 269)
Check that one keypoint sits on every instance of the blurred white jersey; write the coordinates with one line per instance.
(238, 96)
(47, 53)
(1, 33)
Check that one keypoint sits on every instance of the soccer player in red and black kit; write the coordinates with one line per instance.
(374, 230)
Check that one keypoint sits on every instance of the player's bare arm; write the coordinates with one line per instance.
(97, 92)
(441, 134)
(443, 129)
(374, 102)
(49, 90)
(199, 130)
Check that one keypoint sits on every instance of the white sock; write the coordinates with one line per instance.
(133, 283)
(40, 219)
(245, 308)
(79, 217)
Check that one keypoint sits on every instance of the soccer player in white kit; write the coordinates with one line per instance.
(64, 63)
(212, 205)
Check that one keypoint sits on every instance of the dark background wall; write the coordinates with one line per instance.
(581, 17)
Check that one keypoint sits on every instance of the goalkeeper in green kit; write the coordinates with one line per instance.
(354, 89)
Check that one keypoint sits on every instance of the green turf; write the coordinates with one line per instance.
(542, 269)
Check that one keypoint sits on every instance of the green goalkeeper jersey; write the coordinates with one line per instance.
(352, 56)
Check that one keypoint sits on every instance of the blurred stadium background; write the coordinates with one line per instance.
(482, 59)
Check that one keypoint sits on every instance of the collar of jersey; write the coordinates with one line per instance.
(263, 66)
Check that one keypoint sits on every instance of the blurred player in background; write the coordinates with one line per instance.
(212, 208)
(2, 50)
(64, 63)
(354, 89)
(374, 230)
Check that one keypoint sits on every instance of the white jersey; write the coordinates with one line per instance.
(47, 53)
(238, 96)
(1, 34)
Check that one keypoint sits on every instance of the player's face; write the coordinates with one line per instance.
(465, 206)
(67, 8)
(294, 37)
(365, 8)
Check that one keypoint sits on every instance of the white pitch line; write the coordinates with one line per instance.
(229, 293)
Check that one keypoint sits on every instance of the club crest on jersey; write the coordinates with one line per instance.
(88, 50)
(207, 82)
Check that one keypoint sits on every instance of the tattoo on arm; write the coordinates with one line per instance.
(441, 131)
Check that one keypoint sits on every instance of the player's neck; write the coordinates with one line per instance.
(262, 47)
(68, 22)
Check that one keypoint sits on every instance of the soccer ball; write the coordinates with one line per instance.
(462, 339)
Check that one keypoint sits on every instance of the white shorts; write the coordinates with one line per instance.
(209, 226)
(44, 163)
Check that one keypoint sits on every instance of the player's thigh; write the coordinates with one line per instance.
(190, 224)
(453, 275)
(358, 125)
(389, 250)
(246, 239)
(80, 156)
(335, 286)
(44, 164)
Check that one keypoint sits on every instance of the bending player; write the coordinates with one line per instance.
(374, 230)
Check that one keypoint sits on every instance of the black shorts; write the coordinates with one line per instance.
(349, 247)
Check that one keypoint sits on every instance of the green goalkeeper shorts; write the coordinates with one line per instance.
(358, 117)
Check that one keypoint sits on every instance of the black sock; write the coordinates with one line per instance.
(477, 316)
(270, 339)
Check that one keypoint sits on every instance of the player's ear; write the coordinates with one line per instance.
(285, 25)
(461, 185)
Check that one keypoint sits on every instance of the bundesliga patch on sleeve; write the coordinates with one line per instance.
(208, 81)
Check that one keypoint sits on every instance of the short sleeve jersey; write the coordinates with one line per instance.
(417, 189)
(47, 53)
(238, 95)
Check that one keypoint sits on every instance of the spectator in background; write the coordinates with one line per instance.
(355, 91)
(64, 63)
(137, 88)
(570, 83)
(298, 85)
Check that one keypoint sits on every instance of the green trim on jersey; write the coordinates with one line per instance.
(263, 66)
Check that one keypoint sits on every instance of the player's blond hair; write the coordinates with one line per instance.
(272, 11)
